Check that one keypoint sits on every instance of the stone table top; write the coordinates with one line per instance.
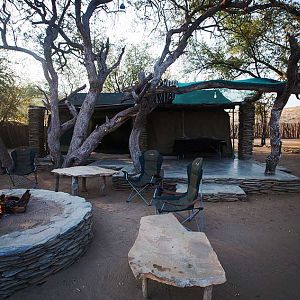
(84, 171)
(166, 252)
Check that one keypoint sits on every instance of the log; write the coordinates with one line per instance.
(13, 204)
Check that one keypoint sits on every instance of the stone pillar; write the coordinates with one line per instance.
(246, 130)
(36, 116)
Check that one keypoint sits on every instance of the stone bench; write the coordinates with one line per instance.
(166, 252)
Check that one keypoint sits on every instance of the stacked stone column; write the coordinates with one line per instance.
(36, 129)
(246, 130)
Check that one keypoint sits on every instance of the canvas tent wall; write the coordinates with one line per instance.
(164, 127)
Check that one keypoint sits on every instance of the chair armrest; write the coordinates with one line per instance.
(168, 192)
(160, 191)
(127, 175)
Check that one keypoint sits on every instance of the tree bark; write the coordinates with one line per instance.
(81, 126)
(5, 159)
(83, 152)
(53, 136)
(279, 104)
(138, 125)
(275, 137)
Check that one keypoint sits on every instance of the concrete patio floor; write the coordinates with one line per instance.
(212, 168)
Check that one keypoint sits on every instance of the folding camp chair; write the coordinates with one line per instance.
(150, 175)
(23, 165)
(191, 201)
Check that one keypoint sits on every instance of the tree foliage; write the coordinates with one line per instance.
(136, 59)
(14, 98)
(249, 44)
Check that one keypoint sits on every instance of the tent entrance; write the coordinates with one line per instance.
(190, 132)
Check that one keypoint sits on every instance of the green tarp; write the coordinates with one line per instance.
(216, 96)
(201, 97)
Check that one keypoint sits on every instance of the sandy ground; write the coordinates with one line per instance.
(257, 242)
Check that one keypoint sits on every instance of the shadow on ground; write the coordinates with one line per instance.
(257, 242)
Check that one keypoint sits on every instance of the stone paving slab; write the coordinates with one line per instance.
(217, 192)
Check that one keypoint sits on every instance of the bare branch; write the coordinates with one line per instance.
(70, 123)
(73, 93)
(117, 63)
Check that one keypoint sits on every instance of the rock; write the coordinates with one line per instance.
(166, 252)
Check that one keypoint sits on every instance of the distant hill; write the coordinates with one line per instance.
(291, 115)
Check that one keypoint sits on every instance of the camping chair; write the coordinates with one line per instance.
(150, 175)
(23, 165)
(191, 201)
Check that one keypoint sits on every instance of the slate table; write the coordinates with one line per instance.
(166, 252)
(83, 172)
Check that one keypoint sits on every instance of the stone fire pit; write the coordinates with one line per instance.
(51, 235)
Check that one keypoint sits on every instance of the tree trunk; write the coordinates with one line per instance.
(82, 123)
(138, 125)
(5, 159)
(134, 146)
(83, 152)
(280, 102)
(275, 137)
(53, 136)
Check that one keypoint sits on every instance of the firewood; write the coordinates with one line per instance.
(13, 204)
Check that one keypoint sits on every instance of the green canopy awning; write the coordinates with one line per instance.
(216, 96)
(201, 97)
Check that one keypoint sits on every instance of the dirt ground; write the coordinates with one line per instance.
(257, 242)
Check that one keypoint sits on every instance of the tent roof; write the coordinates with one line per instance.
(201, 97)
(221, 96)
(212, 97)
(103, 99)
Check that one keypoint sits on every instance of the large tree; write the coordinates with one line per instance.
(54, 22)
(257, 44)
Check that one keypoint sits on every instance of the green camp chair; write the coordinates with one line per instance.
(23, 165)
(191, 201)
(150, 175)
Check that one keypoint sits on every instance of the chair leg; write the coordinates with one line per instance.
(192, 214)
(131, 196)
(35, 178)
(11, 179)
(135, 192)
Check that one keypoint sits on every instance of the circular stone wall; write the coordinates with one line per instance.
(39, 246)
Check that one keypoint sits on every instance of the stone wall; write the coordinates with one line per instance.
(250, 186)
(30, 256)
(246, 130)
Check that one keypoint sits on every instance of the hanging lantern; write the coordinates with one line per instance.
(122, 6)
(215, 95)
